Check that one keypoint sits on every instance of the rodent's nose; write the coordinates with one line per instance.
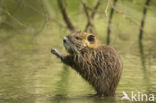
(65, 39)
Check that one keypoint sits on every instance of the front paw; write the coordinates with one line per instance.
(54, 51)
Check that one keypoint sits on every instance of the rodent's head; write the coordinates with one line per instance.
(78, 41)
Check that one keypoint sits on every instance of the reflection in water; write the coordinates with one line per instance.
(146, 81)
(141, 49)
(62, 84)
(62, 99)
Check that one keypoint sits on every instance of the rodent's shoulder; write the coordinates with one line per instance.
(106, 49)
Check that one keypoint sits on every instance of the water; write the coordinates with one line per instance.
(29, 73)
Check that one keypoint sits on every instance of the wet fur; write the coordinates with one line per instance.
(100, 66)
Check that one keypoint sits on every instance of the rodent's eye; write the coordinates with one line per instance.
(78, 38)
(91, 38)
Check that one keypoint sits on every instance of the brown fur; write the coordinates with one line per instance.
(100, 65)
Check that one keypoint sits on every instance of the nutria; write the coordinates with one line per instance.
(100, 65)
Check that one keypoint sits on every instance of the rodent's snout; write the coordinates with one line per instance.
(65, 39)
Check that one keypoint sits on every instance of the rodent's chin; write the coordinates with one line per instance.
(69, 49)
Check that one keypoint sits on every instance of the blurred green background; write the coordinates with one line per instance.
(29, 73)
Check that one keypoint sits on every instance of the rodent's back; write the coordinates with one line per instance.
(102, 57)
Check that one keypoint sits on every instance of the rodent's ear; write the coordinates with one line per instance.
(91, 38)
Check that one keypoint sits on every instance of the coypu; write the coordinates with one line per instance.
(100, 65)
